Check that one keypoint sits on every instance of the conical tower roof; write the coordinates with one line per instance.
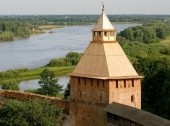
(104, 60)
(103, 23)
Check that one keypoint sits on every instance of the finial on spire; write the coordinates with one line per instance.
(103, 6)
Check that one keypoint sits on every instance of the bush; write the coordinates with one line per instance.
(58, 63)
(28, 113)
(71, 59)
(11, 85)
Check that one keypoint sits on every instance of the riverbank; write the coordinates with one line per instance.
(28, 74)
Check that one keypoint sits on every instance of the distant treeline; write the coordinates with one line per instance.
(84, 19)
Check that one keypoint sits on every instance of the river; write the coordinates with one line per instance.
(37, 50)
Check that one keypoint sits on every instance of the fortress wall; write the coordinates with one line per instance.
(23, 96)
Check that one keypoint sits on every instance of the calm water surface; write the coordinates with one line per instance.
(33, 84)
(37, 50)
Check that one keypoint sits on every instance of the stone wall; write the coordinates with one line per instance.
(9, 94)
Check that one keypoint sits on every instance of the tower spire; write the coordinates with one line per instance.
(103, 7)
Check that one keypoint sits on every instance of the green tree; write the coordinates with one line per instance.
(28, 113)
(161, 33)
(73, 57)
(128, 34)
(48, 84)
(67, 92)
(11, 85)
(156, 85)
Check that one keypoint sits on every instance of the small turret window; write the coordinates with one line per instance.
(132, 83)
(100, 33)
(116, 83)
(105, 33)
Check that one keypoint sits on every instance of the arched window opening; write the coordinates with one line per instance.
(132, 98)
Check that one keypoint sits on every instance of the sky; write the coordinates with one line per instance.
(60, 7)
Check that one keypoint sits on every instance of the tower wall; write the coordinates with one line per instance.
(89, 91)
(88, 98)
(127, 92)
(98, 92)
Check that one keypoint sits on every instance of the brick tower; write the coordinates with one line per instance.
(103, 75)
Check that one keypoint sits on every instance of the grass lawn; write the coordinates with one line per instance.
(166, 41)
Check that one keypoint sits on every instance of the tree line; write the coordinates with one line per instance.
(147, 33)
(84, 19)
